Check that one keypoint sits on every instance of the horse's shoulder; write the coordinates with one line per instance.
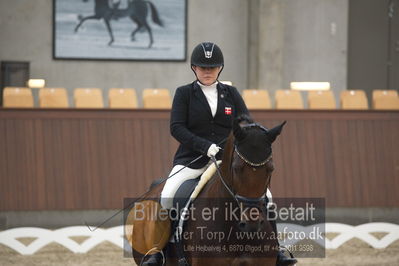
(207, 190)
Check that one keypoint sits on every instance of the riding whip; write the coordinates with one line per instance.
(145, 194)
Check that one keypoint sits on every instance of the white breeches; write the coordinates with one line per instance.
(173, 183)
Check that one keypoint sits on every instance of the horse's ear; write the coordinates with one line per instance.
(274, 132)
(239, 134)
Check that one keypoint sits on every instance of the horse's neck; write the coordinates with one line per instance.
(215, 188)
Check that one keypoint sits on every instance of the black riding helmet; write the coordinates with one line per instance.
(207, 54)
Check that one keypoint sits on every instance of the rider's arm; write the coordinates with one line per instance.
(179, 121)
(241, 108)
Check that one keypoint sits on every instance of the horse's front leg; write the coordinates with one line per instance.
(132, 35)
(150, 34)
(83, 20)
(109, 31)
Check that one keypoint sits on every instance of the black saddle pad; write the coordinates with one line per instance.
(184, 192)
(180, 200)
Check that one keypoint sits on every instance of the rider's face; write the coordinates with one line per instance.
(206, 75)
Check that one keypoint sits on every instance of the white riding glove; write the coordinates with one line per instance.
(213, 150)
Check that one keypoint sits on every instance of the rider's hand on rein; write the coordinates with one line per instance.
(213, 150)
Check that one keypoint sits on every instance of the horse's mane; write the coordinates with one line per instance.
(227, 154)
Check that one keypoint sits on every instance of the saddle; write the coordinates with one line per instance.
(190, 189)
(184, 196)
(149, 235)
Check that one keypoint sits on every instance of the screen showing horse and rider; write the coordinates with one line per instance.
(120, 29)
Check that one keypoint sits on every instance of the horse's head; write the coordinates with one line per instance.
(249, 156)
(252, 163)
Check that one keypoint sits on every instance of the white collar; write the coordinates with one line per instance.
(212, 86)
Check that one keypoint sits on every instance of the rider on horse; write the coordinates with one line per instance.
(201, 119)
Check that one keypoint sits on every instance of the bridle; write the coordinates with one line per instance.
(251, 163)
(261, 201)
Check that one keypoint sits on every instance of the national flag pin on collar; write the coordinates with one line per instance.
(227, 110)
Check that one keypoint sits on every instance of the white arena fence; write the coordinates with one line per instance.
(62, 236)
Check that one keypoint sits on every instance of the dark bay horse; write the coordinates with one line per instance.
(137, 11)
(242, 178)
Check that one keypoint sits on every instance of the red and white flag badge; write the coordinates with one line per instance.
(227, 110)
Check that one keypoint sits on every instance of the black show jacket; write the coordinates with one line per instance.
(193, 125)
